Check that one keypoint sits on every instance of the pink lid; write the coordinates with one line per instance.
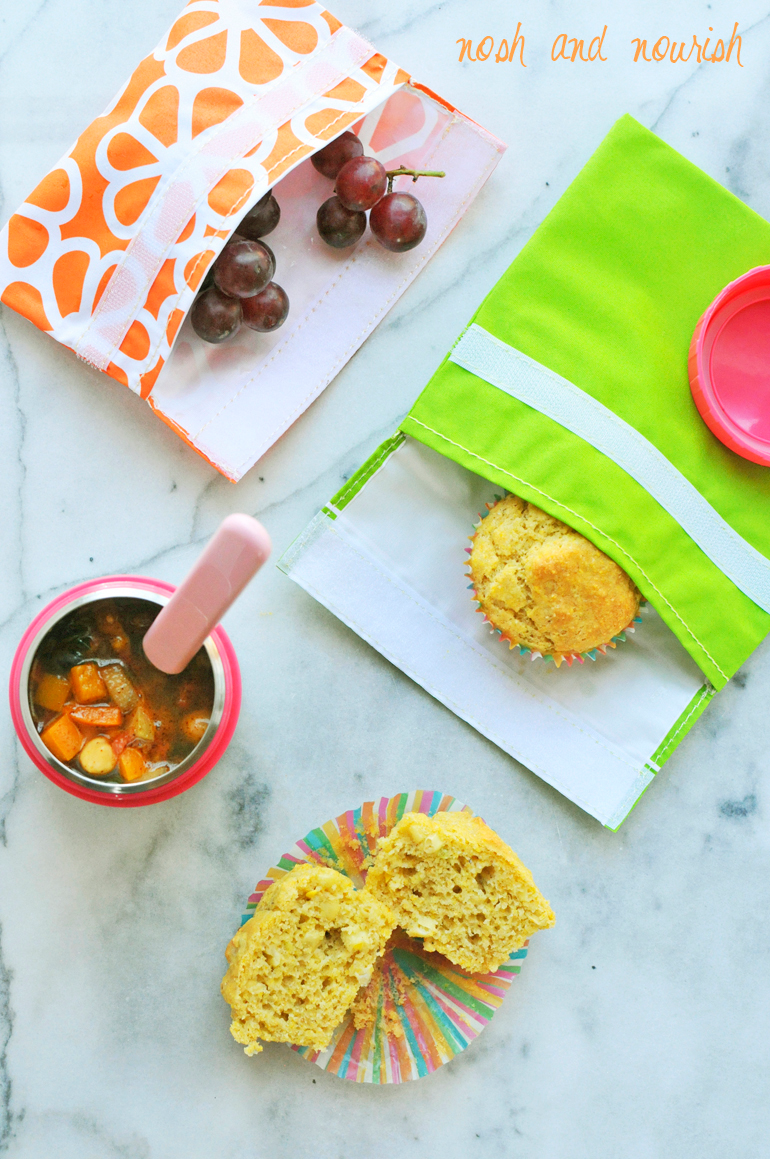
(729, 366)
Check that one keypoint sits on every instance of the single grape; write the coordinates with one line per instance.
(215, 316)
(339, 227)
(244, 268)
(236, 237)
(398, 222)
(261, 219)
(267, 310)
(271, 255)
(333, 156)
(361, 183)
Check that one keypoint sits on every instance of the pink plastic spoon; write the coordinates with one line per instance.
(232, 558)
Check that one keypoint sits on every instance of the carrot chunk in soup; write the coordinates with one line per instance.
(97, 716)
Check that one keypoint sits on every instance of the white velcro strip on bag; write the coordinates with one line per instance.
(532, 383)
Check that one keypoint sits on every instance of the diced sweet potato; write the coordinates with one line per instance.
(131, 765)
(63, 738)
(120, 688)
(97, 757)
(52, 692)
(99, 717)
(87, 683)
(140, 725)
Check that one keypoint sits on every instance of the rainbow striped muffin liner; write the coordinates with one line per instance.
(567, 658)
(427, 1010)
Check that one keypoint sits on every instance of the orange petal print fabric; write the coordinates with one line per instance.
(108, 250)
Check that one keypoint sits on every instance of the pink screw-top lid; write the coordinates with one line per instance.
(729, 366)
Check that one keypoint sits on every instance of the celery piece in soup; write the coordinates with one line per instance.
(120, 688)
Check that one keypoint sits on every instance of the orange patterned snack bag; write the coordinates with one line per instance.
(108, 251)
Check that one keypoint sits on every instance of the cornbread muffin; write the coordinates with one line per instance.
(450, 880)
(297, 964)
(545, 586)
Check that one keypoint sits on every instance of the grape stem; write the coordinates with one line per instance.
(413, 173)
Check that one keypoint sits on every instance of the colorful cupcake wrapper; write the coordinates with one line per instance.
(426, 1009)
(567, 658)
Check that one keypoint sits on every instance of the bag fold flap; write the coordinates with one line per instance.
(607, 294)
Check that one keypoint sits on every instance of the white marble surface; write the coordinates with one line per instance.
(639, 1026)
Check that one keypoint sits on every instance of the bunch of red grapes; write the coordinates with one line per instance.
(397, 220)
(238, 289)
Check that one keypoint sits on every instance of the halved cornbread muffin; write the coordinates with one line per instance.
(450, 880)
(296, 965)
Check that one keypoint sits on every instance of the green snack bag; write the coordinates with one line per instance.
(570, 389)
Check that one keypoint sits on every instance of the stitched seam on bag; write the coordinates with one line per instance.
(316, 390)
(405, 589)
(630, 801)
(186, 287)
(385, 452)
(577, 514)
(355, 342)
(279, 350)
(303, 541)
(539, 770)
(704, 694)
(163, 191)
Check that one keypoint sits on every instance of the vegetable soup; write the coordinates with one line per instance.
(102, 708)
